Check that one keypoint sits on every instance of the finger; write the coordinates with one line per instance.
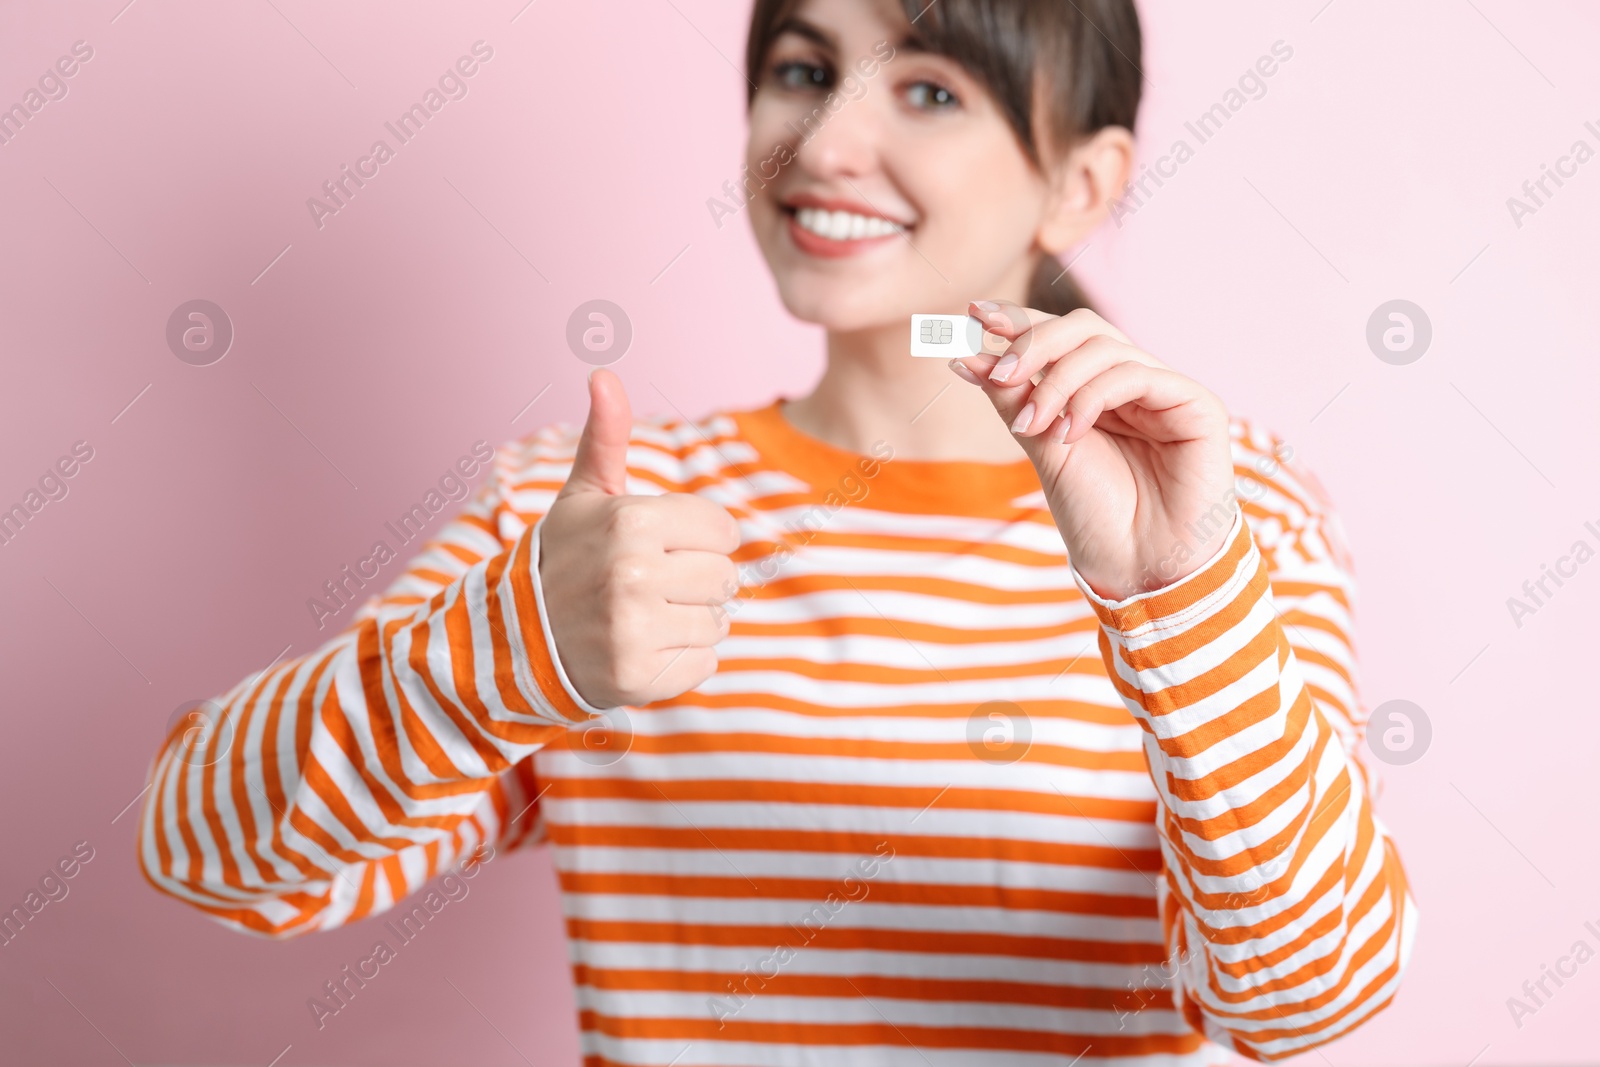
(1005, 317)
(1155, 389)
(1004, 323)
(1068, 374)
(674, 521)
(600, 464)
(1052, 340)
(1013, 320)
(1007, 327)
(1132, 420)
(678, 670)
(693, 626)
(1111, 421)
(1047, 341)
(690, 576)
(1061, 339)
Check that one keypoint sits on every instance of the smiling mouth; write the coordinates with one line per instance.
(843, 225)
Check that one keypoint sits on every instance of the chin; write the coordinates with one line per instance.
(839, 306)
(843, 301)
(842, 293)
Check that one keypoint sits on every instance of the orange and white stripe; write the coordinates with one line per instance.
(803, 860)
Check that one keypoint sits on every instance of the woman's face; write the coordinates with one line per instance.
(940, 204)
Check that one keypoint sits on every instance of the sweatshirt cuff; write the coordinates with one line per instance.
(1173, 605)
(554, 682)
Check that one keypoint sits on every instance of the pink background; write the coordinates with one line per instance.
(1376, 166)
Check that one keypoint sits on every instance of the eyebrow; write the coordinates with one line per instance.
(801, 27)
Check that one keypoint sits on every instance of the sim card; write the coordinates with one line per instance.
(946, 336)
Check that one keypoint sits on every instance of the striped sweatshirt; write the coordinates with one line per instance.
(940, 802)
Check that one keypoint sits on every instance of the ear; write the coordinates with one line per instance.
(1083, 185)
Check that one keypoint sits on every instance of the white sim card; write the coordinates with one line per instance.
(946, 336)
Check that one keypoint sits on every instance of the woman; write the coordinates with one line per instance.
(836, 764)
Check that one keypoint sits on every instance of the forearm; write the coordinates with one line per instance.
(1282, 898)
(381, 742)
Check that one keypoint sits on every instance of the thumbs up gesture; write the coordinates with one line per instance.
(632, 584)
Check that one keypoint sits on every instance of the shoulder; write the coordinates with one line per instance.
(1283, 500)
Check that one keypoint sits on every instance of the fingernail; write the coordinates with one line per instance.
(1024, 417)
(1003, 369)
(1059, 434)
(987, 305)
(961, 369)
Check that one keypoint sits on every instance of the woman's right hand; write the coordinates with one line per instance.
(632, 584)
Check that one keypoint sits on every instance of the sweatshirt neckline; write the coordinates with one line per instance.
(942, 486)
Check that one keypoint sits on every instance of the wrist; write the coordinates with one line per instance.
(1153, 574)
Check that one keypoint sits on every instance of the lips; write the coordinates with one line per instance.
(834, 228)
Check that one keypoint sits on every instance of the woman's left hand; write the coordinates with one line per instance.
(1141, 482)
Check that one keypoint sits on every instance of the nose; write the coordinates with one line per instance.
(839, 143)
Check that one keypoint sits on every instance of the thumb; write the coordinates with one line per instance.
(601, 463)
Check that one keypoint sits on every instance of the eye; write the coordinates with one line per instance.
(799, 75)
(931, 95)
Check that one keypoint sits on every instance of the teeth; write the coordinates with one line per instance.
(844, 225)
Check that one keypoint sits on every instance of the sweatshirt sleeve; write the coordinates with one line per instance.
(1286, 911)
(331, 785)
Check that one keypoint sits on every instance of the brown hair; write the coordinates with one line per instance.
(1091, 76)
